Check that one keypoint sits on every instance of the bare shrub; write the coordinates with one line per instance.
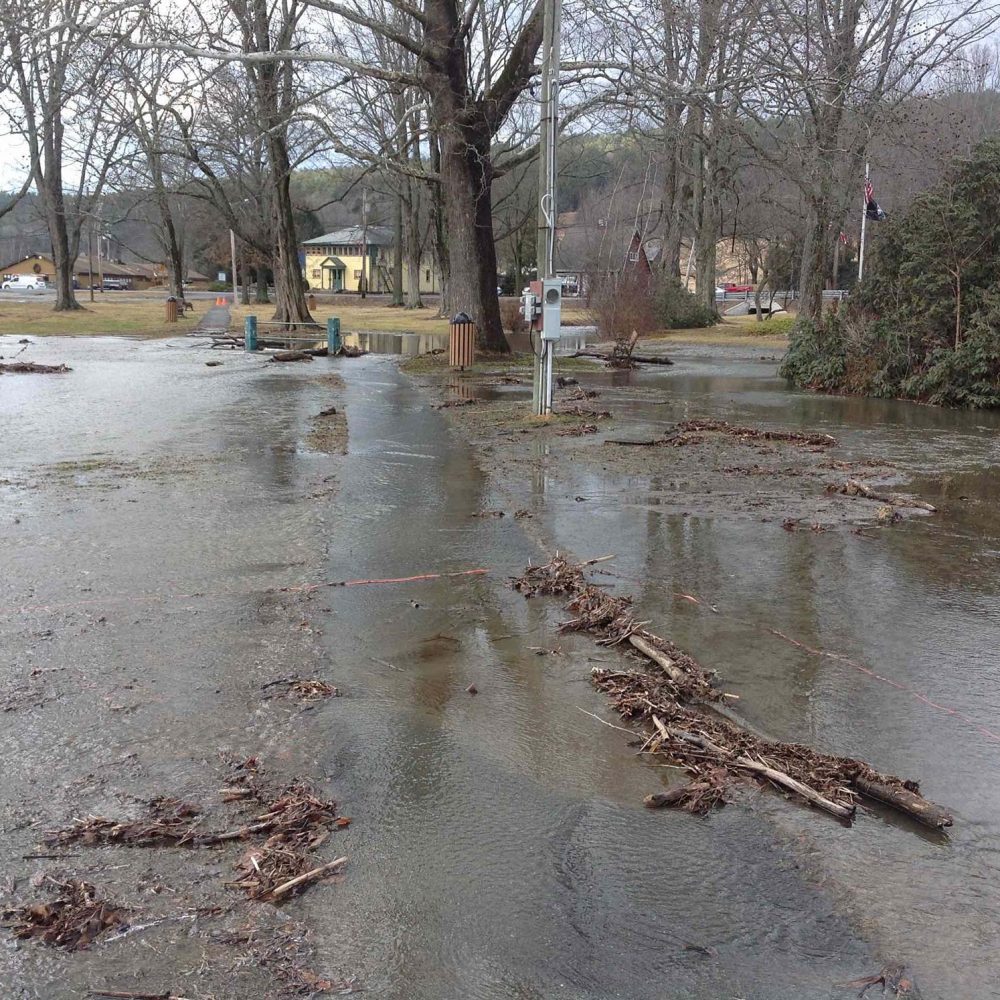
(623, 306)
(511, 316)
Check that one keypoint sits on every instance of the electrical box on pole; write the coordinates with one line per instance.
(551, 308)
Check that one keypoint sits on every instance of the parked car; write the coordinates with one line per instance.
(24, 283)
(731, 286)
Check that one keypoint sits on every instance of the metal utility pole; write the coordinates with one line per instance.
(364, 242)
(545, 248)
(864, 221)
(232, 253)
(90, 258)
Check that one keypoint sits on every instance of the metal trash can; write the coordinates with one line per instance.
(171, 309)
(462, 342)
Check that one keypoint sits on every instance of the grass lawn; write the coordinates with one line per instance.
(133, 317)
(355, 314)
(374, 314)
(769, 333)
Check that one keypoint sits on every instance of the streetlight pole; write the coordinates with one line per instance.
(232, 251)
(864, 221)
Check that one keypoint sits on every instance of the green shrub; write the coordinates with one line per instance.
(815, 360)
(925, 324)
(678, 309)
(219, 286)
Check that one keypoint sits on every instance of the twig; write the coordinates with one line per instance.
(308, 876)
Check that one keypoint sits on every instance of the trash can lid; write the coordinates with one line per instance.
(461, 318)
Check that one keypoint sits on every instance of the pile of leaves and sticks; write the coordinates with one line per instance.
(678, 701)
(73, 920)
(282, 828)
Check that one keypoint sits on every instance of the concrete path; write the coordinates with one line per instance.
(216, 320)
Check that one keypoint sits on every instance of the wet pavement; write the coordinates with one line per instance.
(498, 846)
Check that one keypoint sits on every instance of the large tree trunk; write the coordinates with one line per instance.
(63, 257)
(467, 181)
(440, 238)
(412, 242)
(813, 270)
(397, 252)
(261, 297)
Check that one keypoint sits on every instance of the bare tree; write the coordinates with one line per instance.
(838, 70)
(59, 74)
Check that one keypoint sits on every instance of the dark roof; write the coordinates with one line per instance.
(332, 262)
(376, 236)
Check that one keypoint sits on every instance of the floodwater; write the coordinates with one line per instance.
(498, 846)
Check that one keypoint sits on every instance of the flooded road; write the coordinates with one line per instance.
(498, 846)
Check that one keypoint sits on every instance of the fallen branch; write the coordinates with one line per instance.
(772, 774)
(645, 359)
(856, 488)
(292, 356)
(309, 876)
(127, 995)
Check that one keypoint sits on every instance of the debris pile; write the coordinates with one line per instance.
(582, 411)
(557, 576)
(167, 822)
(73, 920)
(672, 695)
(303, 689)
(755, 433)
(30, 368)
(293, 823)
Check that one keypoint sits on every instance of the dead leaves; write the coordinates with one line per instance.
(73, 920)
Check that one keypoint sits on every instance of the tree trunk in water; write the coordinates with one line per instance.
(467, 180)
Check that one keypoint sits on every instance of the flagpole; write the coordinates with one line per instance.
(864, 220)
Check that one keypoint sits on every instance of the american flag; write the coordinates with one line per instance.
(843, 238)
(869, 191)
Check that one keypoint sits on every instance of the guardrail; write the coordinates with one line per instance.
(784, 296)
(255, 334)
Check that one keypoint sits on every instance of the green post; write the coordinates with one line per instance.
(333, 341)
(250, 333)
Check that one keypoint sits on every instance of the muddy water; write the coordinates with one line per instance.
(498, 846)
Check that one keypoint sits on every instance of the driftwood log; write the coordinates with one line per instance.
(904, 800)
(643, 359)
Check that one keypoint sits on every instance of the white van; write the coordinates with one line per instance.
(24, 283)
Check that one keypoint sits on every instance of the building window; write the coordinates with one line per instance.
(427, 274)
(357, 275)
(633, 256)
(315, 272)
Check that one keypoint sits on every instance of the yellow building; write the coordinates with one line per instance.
(335, 262)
